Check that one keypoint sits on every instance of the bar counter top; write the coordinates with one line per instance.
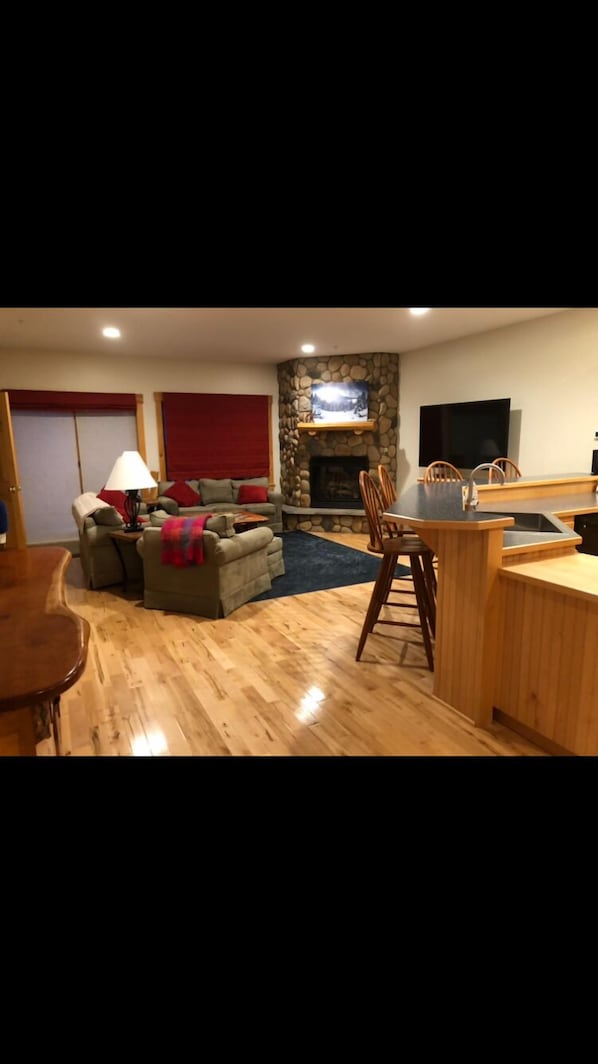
(441, 506)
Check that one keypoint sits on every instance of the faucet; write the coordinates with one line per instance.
(470, 495)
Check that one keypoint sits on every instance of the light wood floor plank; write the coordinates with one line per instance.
(276, 678)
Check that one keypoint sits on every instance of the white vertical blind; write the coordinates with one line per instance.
(102, 437)
(46, 448)
(48, 474)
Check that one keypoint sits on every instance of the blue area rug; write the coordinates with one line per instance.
(314, 564)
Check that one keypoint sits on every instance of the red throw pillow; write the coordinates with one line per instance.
(116, 499)
(183, 494)
(253, 493)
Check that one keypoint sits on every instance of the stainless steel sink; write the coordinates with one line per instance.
(526, 522)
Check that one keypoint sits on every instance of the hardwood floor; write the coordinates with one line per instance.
(274, 678)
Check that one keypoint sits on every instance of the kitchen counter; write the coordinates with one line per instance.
(575, 576)
(490, 607)
(441, 505)
(545, 685)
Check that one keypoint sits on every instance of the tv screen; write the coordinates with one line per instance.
(342, 401)
(464, 433)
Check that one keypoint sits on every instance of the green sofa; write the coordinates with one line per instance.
(222, 496)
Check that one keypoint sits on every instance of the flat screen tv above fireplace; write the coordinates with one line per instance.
(339, 401)
(464, 433)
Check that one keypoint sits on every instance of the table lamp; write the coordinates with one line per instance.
(130, 474)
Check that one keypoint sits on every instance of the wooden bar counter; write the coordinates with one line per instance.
(43, 644)
(547, 683)
(517, 612)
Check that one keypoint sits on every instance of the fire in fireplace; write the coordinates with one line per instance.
(334, 482)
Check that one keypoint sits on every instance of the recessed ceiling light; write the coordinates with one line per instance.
(307, 349)
(418, 311)
(111, 332)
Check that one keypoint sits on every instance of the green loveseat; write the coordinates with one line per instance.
(222, 496)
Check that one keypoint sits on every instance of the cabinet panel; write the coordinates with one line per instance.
(586, 526)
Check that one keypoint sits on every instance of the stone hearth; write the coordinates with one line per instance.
(298, 446)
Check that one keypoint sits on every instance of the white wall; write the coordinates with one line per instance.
(547, 367)
(100, 373)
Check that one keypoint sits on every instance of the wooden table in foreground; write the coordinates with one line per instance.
(43, 645)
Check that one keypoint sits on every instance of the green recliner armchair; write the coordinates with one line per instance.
(234, 569)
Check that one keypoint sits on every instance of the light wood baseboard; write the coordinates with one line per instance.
(531, 735)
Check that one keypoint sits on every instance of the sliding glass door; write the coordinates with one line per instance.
(60, 455)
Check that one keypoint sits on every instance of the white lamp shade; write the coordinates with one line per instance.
(129, 473)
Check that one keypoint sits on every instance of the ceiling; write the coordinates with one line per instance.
(246, 334)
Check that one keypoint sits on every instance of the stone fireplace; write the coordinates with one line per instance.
(319, 464)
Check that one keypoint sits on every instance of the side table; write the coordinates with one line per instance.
(118, 536)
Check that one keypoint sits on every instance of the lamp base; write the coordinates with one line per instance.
(132, 506)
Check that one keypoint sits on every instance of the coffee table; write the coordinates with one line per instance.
(244, 520)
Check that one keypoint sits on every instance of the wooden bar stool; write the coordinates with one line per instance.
(389, 495)
(387, 488)
(441, 473)
(510, 469)
(388, 492)
(384, 541)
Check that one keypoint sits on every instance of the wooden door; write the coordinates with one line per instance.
(10, 488)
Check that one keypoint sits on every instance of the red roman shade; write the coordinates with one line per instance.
(216, 436)
(70, 402)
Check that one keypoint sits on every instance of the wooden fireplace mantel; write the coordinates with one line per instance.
(358, 427)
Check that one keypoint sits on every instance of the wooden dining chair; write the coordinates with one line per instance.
(441, 473)
(385, 541)
(510, 469)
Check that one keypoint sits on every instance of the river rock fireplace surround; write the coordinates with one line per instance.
(319, 464)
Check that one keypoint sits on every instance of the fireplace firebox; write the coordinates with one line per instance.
(334, 481)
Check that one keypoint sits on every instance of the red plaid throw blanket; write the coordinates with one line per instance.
(181, 540)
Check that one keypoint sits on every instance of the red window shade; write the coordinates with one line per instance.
(216, 435)
(73, 402)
